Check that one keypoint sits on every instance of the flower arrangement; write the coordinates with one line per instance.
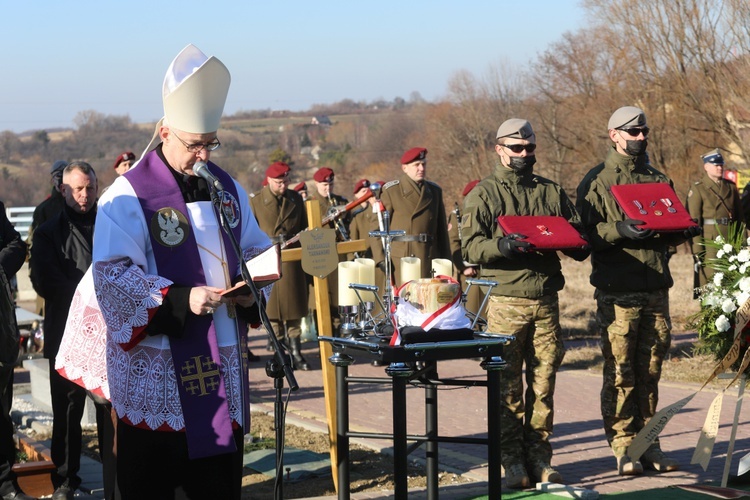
(728, 289)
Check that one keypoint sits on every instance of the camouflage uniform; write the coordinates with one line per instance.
(714, 205)
(524, 304)
(632, 279)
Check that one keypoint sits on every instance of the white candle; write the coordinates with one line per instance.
(348, 273)
(366, 277)
(411, 269)
(442, 266)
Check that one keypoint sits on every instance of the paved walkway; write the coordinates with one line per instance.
(581, 453)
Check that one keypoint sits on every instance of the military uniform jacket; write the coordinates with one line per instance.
(621, 264)
(359, 229)
(362, 223)
(509, 192)
(281, 222)
(326, 205)
(417, 213)
(712, 200)
(455, 242)
(333, 278)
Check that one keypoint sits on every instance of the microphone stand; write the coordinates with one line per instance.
(279, 366)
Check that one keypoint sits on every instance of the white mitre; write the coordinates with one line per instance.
(194, 93)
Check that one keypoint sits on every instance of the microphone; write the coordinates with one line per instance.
(359, 286)
(201, 169)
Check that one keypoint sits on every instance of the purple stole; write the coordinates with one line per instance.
(195, 356)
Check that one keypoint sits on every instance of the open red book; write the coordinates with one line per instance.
(264, 268)
(655, 203)
(544, 232)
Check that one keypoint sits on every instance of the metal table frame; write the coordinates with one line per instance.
(403, 369)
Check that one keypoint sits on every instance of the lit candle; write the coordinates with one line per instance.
(348, 273)
(442, 267)
(366, 277)
(411, 269)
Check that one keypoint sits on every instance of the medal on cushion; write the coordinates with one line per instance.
(640, 207)
(669, 204)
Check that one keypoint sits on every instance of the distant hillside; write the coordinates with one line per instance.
(249, 144)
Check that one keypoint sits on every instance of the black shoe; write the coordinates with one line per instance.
(252, 358)
(296, 349)
(63, 492)
(17, 495)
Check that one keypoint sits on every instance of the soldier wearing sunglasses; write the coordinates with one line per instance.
(525, 303)
(631, 275)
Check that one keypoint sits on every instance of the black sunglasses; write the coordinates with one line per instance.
(517, 148)
(636, 131)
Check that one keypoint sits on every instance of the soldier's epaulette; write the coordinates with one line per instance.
(251, 195)
(390, 184)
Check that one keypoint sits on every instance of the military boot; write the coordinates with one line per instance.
(628, 467)
(544, 473)
(296, 349)
(516, 476)
(657, 460)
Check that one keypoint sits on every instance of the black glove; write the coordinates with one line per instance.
(579, 254)
(692, 231)
(510, 246)
(629, 229)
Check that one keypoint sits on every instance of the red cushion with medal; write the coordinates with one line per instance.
(544, 232)
(656, 204)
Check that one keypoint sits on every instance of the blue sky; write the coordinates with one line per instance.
(111, 56)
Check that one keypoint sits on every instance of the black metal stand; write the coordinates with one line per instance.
(401, 370)
(277, 368)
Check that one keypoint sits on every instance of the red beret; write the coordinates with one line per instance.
(126, 156)
(413, 154)
(362, 183)
(265, 182)
(300, 187)
(324, 174)
(470, 186)
(278, 169)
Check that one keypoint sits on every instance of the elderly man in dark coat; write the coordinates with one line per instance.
(281, 214)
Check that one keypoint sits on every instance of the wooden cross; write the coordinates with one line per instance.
(325, 328)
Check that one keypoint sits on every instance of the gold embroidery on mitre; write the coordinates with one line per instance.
(200, 376)
(169, 226)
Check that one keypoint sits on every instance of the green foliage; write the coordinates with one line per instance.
(258, 443)
(728, 290)
(335, 158)
(41, 136)
(279, 154)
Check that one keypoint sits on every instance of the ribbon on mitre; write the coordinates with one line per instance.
(429, 303)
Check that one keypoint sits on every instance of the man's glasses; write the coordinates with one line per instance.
(517, 148)
(636, 131)
(199, 146)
